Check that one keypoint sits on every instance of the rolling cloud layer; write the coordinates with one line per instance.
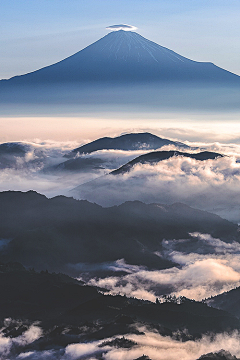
(207, 267)
(147, 342)
(212, 185)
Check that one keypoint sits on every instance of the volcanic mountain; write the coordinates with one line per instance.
(126, 57)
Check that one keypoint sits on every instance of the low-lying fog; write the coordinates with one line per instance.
(147, 342)
(206, 268)
(211, 185)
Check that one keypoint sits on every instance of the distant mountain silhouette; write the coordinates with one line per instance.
(157, 156)
(138, 141)
(126, 142)
(126, 57)
(51, 233)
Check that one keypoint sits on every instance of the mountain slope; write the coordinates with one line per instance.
(157, 156)
(52, 233)
(127, 142)
(62, 303)
(228, 301)
(122, 57)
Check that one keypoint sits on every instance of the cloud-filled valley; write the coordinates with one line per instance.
(116, 327)
(145, 251)
(206, 267)
(152, 344)
(165, 250)
(212, 185)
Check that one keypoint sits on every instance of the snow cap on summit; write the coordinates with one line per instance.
(121, 27)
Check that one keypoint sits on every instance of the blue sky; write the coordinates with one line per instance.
(36, 33)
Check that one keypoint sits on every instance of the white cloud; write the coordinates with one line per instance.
(150, 343)
(212, 268)
(33, 333)
(212, 185)
(197, 281)
(74, 351)
(159, 347)
(124, 27)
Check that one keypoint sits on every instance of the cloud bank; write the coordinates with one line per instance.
(211, 185)
(150, 343)
(207, 267)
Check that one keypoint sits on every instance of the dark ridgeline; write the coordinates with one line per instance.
(61, 303)
(157, 156)
(228, 301)
(51, 233)
(92, 189)
(127, 142)
(14, 154)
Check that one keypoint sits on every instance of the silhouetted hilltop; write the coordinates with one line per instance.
(60, 301)
(157, 156)
(51, 233)
(138, 141)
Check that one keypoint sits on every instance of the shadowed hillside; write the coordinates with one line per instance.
(51, 233)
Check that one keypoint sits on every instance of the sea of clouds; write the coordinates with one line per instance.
(147, 342)
(212, 185)
(210, 268)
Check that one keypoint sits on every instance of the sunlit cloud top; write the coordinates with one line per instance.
(121, 27)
